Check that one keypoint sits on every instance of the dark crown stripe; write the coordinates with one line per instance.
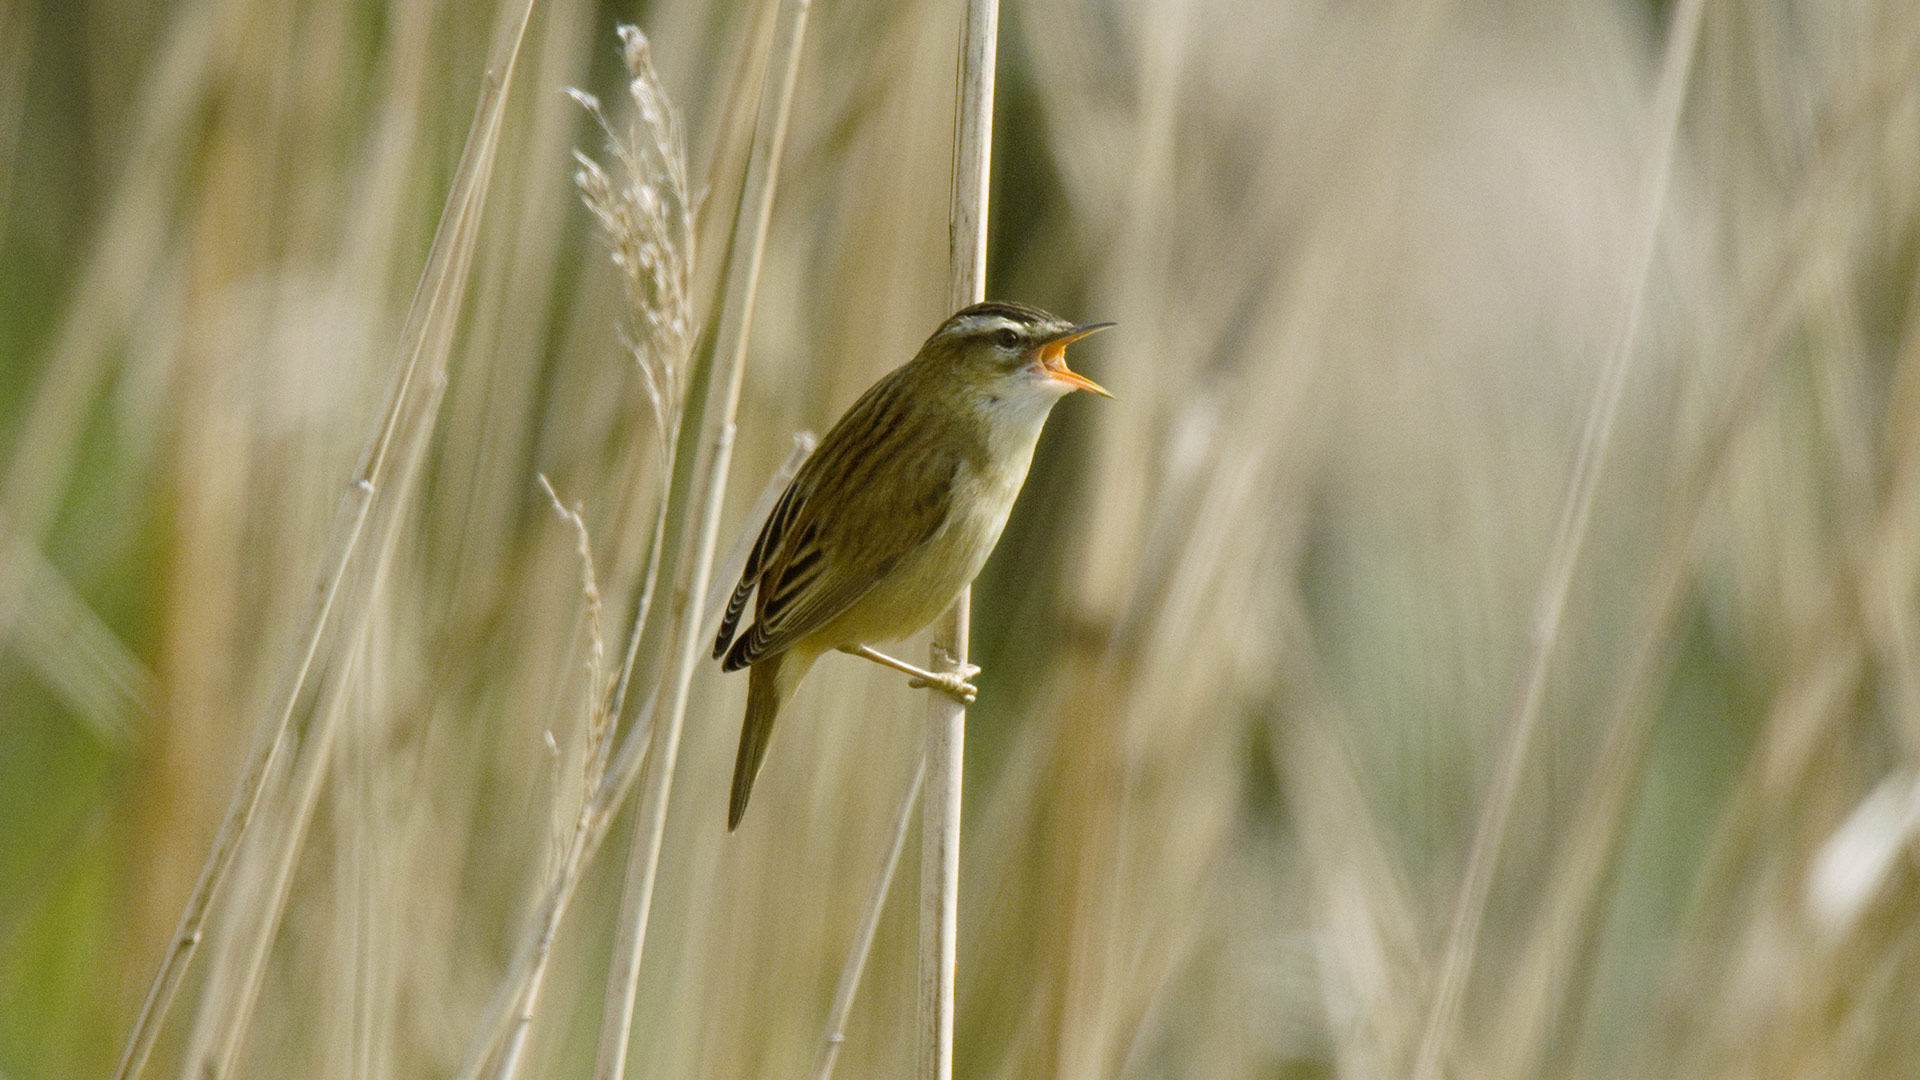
(1006, 309)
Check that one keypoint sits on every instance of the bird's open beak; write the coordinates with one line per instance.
(1053, 357)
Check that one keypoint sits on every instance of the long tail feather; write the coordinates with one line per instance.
(764, 694)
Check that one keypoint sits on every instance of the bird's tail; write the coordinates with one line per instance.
(766, 690)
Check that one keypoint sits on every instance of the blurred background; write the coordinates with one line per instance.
(1517, 437)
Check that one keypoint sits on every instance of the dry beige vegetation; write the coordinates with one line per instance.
(1480, 641)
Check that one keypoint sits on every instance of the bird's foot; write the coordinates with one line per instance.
(956, 683)
(952, 683)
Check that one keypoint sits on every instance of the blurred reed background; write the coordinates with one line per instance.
(1257, 643)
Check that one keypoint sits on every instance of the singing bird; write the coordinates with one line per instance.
(896, 510)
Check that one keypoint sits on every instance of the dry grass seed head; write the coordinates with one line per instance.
(647, 218)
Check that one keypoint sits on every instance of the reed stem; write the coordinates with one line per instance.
(715, 453)
(398, 438)
(946, 717)
(1456, 960)
(869, 925)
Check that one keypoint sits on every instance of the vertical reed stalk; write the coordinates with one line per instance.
(235, 973)
(1557, 968)
(869, 924)
(1456, 961)
(507, 1008)
(632, 714)
(946, 717)
(404, 426)
(644, 210)
(714, 454)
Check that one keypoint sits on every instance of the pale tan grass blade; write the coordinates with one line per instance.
(1567, 928)
(401, 433)
(1651, 203)
(855, 964)
(714, 420)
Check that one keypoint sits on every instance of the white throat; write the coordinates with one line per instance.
(1018, 418)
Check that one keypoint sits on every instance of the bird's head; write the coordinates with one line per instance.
(1012, 352)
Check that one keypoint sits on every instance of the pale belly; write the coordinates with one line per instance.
(925, 583)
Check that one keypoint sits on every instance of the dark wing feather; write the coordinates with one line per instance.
(868, 469)
(769, 539)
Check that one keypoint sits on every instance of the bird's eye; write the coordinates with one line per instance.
(1006, 338)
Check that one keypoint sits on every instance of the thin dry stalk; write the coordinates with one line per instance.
(238, 959)
(608, 798)
(266, 872)
(649, 222)
(599, 724)
(946, 717)
(869, 924)
(401, 434)
(649, 225)
(573, 846)
(1142, 681)
(1568, 927)
(631, 755)
(940, 854)
(1369, 950)
(235, 979)
(694, 574)
(1456, 961)
(647, 218)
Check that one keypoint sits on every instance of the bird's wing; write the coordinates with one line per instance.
(863, 515)
(763, 547)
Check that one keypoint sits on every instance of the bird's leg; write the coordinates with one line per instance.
(949, 682)
(963, 670)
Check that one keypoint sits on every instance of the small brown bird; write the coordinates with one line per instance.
(896, 510)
